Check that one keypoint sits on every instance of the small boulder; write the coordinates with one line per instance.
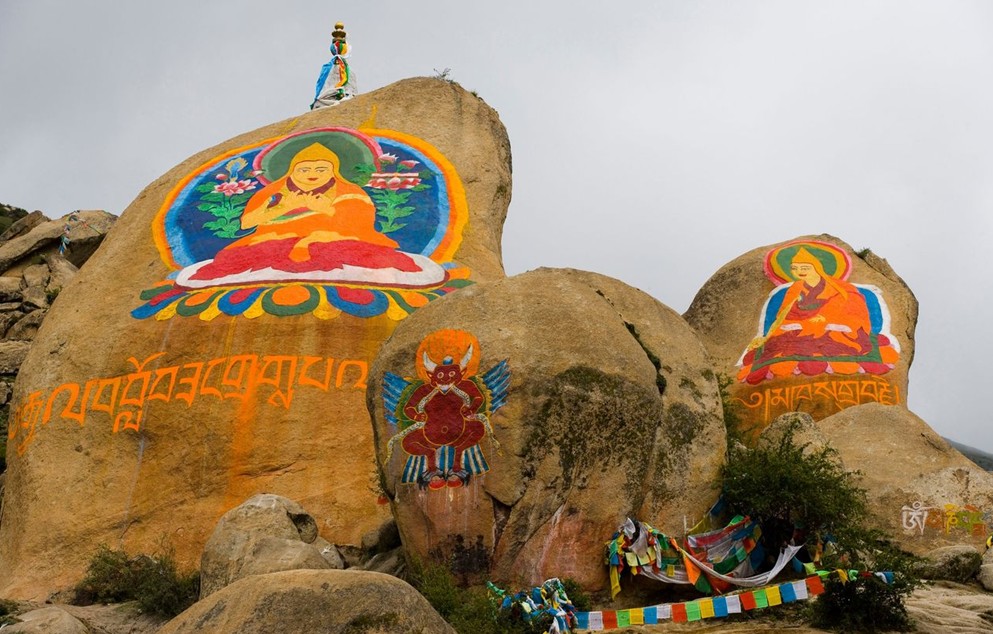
(47, 621)
(12, 355)
(61, 271)
(922, 492)
(267, 533)
(27, 327)
(35, 297)
(951, 563)
(326, 601)
(35, 275)
(10, 290)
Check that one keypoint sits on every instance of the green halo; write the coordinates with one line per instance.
(355, 155)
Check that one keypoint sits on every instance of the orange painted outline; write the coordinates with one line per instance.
(457, 204)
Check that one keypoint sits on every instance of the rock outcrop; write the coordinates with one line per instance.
(327, 601)
(218, 343)
(806, 325)
(576, 401)
(923, 492)
(51, 620)
(267, 533)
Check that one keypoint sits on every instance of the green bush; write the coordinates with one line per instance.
(153, 581)
(468, 610)
(787, 486)
(783, 485)
(866, 604)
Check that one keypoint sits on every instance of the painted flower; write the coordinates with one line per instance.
(221, 176)
(233, 187)
(394, 183)
(389, 159)
(411, 181)
(408, 164)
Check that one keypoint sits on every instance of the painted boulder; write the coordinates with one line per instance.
(218, 343)
(519, 422)
(806, 325)
(923, 493)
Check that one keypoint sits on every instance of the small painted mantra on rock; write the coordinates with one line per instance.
(240, 377)
(946, 518)
(837, 394)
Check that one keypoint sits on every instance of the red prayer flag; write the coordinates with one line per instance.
(814, 586)
(609, 618)
(747, 600)
(679, 613)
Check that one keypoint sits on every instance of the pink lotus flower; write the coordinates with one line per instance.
(394, 183)
(409, 164)
(389, 159)
(411, 181)
(231, 188)
(221, 176)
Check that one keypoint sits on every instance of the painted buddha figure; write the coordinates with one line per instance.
(822, 326)
(312, 224)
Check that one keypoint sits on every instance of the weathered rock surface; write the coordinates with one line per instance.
(47, 621)
(950, 607)
(922, 491)
(813, 360)
(141, 416)
(951, 563)
(612, 411)
(318, 601)
(267, 533)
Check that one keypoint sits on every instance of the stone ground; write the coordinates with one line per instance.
(941, 608)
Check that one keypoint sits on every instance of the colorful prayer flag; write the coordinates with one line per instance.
(609, 618)
(637, 616)
(734, 604)
(772, 594)
(800, 590)
(761, 599)
(787, 592)
(651, 615)
(747, 600)
(814, 586)
(623, 618)
(679, 613)
(720, 606)
(693, 611)
(707, 608)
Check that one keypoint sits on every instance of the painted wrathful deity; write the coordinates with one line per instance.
(443, 416)
(816, 322)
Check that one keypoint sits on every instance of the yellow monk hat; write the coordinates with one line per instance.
(316, 152)
(803, 256)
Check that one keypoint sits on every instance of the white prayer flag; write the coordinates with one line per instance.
(800, 589)
(734, 604)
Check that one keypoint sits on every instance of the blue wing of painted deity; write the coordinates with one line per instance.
(497, 380)
(393, 387)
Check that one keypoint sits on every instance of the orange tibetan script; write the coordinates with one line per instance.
(273, 379)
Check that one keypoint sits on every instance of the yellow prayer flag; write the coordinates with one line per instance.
(637, 616)
(707, 608)
(631, 558)
(773, 595)
(842, 575)
(615, 582)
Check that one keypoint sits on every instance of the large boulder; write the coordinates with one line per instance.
(317, 601)
(267, 533)
(576, 401)
(806, 325)
(217, 344)
(923, 492)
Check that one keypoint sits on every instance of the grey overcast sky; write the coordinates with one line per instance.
(653, 141)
